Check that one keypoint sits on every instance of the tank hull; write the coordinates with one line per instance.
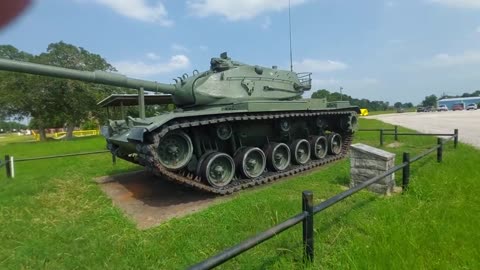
(254, 126)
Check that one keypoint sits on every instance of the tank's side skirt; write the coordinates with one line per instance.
(147, 152)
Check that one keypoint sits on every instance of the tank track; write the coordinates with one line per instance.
(146, 152)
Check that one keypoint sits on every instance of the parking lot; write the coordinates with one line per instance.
(467, 122)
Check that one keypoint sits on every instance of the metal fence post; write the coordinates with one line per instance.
(406, 172)
(307, 206)
(396, 133)
(381, 137)
(114, 159)
(12, 167)
(7, 166)
(440, 150)
(455, 140)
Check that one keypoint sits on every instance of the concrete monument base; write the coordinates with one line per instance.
(367, 162)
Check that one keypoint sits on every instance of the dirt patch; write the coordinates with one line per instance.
(150, 200)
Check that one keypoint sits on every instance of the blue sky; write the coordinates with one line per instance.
(377, 49)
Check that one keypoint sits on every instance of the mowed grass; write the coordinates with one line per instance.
(7, 138)
(53, 216)
(391, 111)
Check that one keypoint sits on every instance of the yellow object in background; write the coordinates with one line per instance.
(36, 136)
(76, 133)
(363, 112)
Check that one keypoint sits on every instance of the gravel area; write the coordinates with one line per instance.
(467, 122)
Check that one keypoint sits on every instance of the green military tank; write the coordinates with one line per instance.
(235, 125)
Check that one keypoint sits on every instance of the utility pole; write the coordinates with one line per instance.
(341, 95)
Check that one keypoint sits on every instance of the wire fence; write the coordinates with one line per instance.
(10, 161)
(383, 132)
(309, 210)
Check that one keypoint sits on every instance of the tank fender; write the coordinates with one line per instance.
(136, 134)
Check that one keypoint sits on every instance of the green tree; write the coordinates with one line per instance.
(8, 126)
(21, 95)
(53, 101)
(362, 103)
(430, 101)
(322, 93)
(78, 100)
(398, 105)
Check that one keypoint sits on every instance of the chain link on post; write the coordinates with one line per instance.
(307, 206)
(406, 172)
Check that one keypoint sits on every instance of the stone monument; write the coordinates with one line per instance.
(367, 162)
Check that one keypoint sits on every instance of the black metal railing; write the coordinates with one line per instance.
(305, 79)
(10, 161)
(394, 132)
(309, 210)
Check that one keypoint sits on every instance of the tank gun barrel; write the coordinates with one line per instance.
(101, 77)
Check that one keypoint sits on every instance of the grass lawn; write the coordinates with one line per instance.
(14, 138)
(53, 216)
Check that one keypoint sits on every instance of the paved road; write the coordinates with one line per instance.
(467, 122)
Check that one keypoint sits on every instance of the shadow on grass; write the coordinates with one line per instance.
(116, 172)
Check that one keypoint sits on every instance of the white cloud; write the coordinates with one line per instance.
(267, 22)
(141, 10)
(203, 48)
(458, 3)
(447, 60)
(312, 65)
(478, 29)
(142, 69)
(238, 10)
(152, 56)
(179, 48)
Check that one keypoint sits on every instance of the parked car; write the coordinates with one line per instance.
(420, 109)
(442, 108)
(430, 109)
(471, 106)
(458, 107)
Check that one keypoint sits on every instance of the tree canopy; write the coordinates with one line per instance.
(362, 103)
(430, 101)
(473, 94)
(53, 102)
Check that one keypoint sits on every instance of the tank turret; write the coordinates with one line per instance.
(226, 82)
